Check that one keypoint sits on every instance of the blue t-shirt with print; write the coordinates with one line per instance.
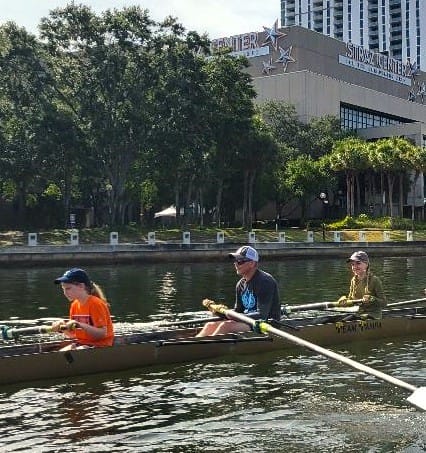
(259, 294)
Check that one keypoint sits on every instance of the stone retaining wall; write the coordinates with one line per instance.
(126, 253)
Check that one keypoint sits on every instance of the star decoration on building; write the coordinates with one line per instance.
(272, 35)
(421, 92)
(411, 96)
(418, 90)
(414, 70)
(285, 57)
(268, 66)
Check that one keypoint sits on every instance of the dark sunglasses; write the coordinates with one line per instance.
(241, 261)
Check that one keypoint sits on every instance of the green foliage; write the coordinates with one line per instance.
(8, 189)
(116, 113)
(53, 191)
(149, 193)
(363, 221)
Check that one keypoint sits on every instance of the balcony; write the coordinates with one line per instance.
(396, 32)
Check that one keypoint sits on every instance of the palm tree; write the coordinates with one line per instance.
(416, 155)
(350, 155)
(389, 155)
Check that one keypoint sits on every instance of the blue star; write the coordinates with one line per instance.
(414, 69)
(268, 66)
(272, 35)
(421, 91)
(285, 57)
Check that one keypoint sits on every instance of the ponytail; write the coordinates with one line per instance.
(96, 290)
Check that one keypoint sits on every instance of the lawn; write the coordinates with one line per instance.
(137, 235)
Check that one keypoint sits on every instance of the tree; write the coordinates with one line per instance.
(350, 156)
(231, 109)
(390, 156)
(180, 133)
(284, 124)
(305, 178)
(103, 65)
(416, 155)
(259, 152)
(320, 135)
(25, 96)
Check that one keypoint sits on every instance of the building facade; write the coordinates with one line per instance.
(377, 95)
(396, 28)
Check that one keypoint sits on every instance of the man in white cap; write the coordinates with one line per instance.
(256, 294)
(365, 287)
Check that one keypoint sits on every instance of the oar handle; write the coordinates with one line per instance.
(12, 333)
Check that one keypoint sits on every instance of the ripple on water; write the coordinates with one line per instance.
(296, 402)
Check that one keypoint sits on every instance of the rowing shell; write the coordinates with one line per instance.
(29, 362)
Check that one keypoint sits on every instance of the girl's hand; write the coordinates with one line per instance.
(343, 301)
(368, 299)
(58, 326)
(71, 325)
(68, 325)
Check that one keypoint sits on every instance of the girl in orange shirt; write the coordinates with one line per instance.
(90, 319)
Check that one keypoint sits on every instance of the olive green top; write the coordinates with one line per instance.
(369, 285)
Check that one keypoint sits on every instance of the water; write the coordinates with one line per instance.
(292, 401)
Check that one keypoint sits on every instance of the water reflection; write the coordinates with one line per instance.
(138, 292)
(294, 403)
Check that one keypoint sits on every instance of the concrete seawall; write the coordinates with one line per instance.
(168, 252)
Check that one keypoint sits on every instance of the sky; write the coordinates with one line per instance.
(217, 18)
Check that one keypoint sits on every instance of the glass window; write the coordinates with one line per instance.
(353, 117)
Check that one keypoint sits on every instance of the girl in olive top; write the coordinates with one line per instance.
(366, 287)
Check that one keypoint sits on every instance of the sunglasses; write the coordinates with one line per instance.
(239, 262)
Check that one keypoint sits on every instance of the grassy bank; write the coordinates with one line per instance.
(137, 235)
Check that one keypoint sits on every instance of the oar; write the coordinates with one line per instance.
(417, 398)
(406, 302)
(11, 333)
(287, 309)
(189, 322)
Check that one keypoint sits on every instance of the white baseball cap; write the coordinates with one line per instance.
(245, 253)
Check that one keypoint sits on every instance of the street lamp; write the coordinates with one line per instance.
(323, 198)
(109, 188)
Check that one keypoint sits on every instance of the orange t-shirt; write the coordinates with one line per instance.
(96, 313)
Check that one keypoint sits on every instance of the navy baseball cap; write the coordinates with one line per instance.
(74, 275)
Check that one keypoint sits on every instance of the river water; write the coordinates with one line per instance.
(292, 401)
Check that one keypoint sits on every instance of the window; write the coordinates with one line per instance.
(353, 117)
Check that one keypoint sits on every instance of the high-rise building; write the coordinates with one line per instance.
(396, 28)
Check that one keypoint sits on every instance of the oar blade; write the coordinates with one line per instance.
(418, 398)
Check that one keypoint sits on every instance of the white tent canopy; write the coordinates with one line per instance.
(168, 212)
